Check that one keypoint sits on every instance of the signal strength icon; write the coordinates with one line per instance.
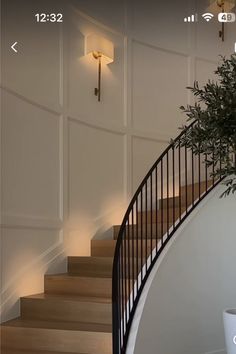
(192, 18)
(208, 16)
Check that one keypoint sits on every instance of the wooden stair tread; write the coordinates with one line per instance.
(56, 325)
(66, 308)
(20, 351)
(91, 259)
(58, 337)
(66, 276)
(44, 296)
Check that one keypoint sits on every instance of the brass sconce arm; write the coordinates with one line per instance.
(221, 4)
(101, 49)
(97, 90)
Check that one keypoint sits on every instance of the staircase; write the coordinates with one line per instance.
(74, 314)
(90, 309)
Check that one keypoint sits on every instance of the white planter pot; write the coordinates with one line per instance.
(230, 330)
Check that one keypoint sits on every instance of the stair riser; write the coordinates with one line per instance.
(192, 194)
(107, 249)
(98, 287)
(137, 231)
(56, 340)
(195, 188)
(95, 272)
(89, 267)
(72, 311)
(163, 216)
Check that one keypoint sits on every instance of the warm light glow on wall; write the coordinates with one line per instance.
(31, 283)
(96, 45)
(117, 208)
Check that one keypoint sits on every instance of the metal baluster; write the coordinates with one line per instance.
(156, 208)
(220, 160)
(133, 273)
(213, 168)
(180, 191)
(199, 175)
(167, 177)
(141, 241)
(120, 314)
(128, 264)
(162, 216)
(173, 161)
(146, 224)
(137, 248)
(151, 212)
(193, 179)
(125, 281)
(186, 179)
(122, 300)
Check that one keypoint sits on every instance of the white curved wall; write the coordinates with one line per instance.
(193, 284)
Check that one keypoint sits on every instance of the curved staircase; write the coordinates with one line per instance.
(89, 310)
(74, 314)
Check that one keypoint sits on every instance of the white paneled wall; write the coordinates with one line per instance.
(31, 153)
(69, 163)
(31, 160)
(155, 68)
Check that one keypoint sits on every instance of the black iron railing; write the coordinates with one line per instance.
(173, 187)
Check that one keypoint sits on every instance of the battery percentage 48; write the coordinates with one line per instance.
(226, 17)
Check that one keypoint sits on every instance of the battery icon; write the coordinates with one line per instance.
(226, 17)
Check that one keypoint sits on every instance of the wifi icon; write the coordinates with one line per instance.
(208, 16)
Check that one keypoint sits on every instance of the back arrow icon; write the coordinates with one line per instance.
(13, 47)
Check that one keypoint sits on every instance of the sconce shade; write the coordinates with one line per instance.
(99, 46)
(215, 5)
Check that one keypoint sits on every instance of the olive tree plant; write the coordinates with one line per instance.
(215, 131)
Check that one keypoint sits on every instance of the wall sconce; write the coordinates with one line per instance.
(217, 6)
(100, 48)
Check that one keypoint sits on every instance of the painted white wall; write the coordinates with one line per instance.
(69, 163)
(64, 155)
(193, 284)
(31, 153)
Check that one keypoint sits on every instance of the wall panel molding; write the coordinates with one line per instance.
(95, 21)
(24, 221)
(161, 49)
(159, 90)
(30, 101)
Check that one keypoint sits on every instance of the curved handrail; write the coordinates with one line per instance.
(137, 251)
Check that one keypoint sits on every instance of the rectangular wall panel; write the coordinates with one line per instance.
(35, 70)
(144, 153)
(159, 89)
(30, 160)
(83, 74)
(96, 179)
